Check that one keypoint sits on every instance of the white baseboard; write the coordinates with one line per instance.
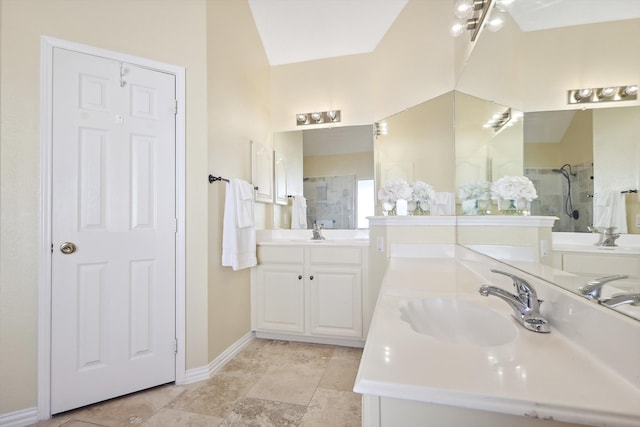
(205, 372)
(21, 418)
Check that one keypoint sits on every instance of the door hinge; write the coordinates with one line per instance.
(175, 106)
(51, 247)
(175, 346)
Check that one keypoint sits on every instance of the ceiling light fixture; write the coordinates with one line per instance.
(316, 118)
(602, 94)
(474, 14)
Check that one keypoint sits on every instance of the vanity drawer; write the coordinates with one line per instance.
(280, 255)
(335, 255)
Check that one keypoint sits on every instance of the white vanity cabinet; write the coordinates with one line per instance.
(278, 291)
(602, 263)
(310, 293)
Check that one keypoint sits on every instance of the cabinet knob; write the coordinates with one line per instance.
(310, 277)
(300, 277)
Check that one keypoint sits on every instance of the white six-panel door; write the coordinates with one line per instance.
(113, 229)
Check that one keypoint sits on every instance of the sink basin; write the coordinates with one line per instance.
(458, 321)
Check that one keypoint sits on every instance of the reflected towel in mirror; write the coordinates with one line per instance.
(610, 211)
(443, 204)
(299, 213)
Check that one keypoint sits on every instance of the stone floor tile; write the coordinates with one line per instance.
(132, 409)
(347, 353)
(264, 413)
(173, 418)
(215, 396)
(340, 374)
(333, 408)
(292, 384)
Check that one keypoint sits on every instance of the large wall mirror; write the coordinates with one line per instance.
(580, 157)
(333, 168)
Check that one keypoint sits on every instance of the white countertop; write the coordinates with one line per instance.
(627, 244)
(537, 375)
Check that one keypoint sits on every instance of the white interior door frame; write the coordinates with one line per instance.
(47, 44)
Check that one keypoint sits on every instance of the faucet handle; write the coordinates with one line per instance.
(526, 291)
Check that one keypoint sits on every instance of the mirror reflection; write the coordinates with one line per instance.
(333, 169)
(488, 140)
(581, 158)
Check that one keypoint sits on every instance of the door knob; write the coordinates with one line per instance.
(68, 248)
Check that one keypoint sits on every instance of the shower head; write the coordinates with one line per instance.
(563, 170)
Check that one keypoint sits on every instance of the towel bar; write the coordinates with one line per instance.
(213, 179)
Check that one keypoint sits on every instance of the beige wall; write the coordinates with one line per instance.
(492, 70)
(574, 57)
(238, 88)
(227, 79)
(617, 150)
(415, 59)
(419, 145)
(358, 164)
(412, 63)
(575, 147)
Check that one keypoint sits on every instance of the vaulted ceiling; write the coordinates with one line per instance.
(305, 30)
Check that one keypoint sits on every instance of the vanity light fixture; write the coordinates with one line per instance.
(381, 128)
(316, 118)
(603, 94)
(500, 120)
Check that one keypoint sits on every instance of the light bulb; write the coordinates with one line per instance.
(463, 8)
(583, 93)
(607, 92)
(630, 90)
(458, 28)
(317, 117)
(301, 118)
(495, 22)
(332, 115)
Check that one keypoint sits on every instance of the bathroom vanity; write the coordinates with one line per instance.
(577, 253)
(488, 372)
(311, 290)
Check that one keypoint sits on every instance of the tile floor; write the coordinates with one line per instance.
(269, 383)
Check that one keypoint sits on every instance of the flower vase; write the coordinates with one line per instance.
(470, 207)
(420, 210)
(388, 209)
(514, 207)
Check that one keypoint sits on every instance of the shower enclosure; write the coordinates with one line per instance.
(565, 192)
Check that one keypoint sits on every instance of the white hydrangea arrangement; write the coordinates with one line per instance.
(423, 193)
(479, 190)
(393, 191)
(513, 188)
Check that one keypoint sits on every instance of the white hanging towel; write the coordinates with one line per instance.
(620, 214)
(299, 213)
(611, 211)
(238, 229)
(443, 204)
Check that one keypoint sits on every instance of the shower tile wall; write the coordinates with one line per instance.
(330, 201)
(552, 192)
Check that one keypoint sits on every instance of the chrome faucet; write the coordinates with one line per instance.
(620, 299)
(317, 232)
(608, 236)
(525, 305)
(593, 288)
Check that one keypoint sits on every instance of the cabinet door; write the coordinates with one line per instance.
(335, 302)
(279, 299)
